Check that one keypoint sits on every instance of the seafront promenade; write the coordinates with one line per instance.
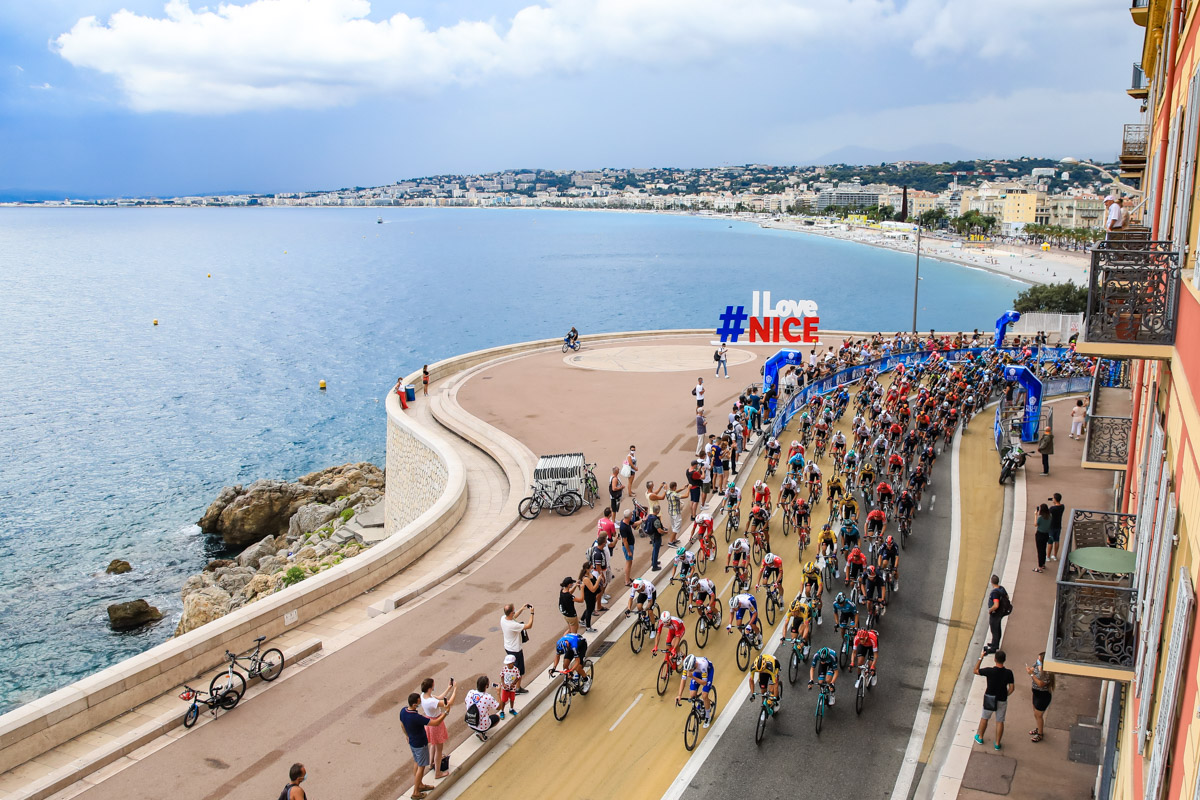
(336, 709)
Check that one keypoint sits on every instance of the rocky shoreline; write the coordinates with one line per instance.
(288, 531)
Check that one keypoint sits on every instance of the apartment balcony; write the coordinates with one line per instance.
(1134, 139)
(1140, 11)
(1093, 632)
(1133, 298)
(1106, 438)
(1139, 86)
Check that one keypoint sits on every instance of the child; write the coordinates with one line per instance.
(510, 676)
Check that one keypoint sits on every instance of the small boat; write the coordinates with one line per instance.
(380, 220)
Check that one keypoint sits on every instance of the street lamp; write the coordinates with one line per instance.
(1123, 186)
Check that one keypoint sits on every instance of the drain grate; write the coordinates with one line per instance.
(600, 650)
(460, 643)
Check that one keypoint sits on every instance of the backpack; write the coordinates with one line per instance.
(286, 793)
(472, 717)
(716, 355)
(1006, 606)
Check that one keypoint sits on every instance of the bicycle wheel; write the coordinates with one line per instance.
(743, 654)
(681, 601)
(226, 681)
(529, 508)
(756, 552)
(637, 637)
(691, 729)
(664, 678)
(762, 724)
(701, 633)
(566, 347)
(590, 670)
(230, 699)
(702, 561)
(568, 503)
(844, 654)
(562, 701)
(681, 650)
(729, 528)
(793, 666)
(860, 695)
(270, 665)
(770, 609)
(193, 714)
(820, 714)
(787, 523)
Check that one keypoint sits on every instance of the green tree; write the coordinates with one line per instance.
(1062, 298)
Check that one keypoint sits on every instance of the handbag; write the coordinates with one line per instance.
(989, 702)
(445, 765)
(524, 635)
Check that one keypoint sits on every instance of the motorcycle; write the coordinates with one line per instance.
(1012, 460)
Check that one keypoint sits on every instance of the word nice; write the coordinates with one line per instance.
(787, 321)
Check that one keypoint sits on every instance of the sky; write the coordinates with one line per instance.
(132, 98)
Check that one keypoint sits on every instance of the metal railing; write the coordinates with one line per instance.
(1133, 140)
(1106, 438)
(1140, 4)
(1095, 617)
(1139, 80)
(1112, 373)
(1133, 295)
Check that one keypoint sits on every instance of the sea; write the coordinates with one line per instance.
(117, 432)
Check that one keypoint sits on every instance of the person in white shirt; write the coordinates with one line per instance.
(698, 392)
(488, 706)
(1112, 213)
(511, 627)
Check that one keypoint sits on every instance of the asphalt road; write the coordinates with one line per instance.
(854, 757)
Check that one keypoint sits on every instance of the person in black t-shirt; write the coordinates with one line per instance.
(997, 595)
(414, 723)
(1000, 684)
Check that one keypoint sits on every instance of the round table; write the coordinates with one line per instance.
(1106, 560)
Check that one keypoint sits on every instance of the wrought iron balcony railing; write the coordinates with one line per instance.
(1106, 438)
(1139, 82)
(1095, 614)
(1133, 141)
(1133, 295)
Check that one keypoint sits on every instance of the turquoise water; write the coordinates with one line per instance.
(117, 434)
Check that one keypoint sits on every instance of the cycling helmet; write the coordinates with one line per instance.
(681, 552)
(758, 484)
(811, 566)
(795, 443)
(769, 557)
(757, 509)
(733, 604)
(689, 663)
(639, 584)
(732, 485)
(890, 541)
(871, 570)
(905, 495)
(841, 597)
(666, 616)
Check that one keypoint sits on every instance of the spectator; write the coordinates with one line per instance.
(399, 390)
(695, 479)
(1042, 536)
(414, 723)
(433, 706)
(615, 490)
(1078, 416)
(509, 677)
(1056, 517)
(486, 713)
(701, 430)
(292, 790)
(625, 532)
(656, 496)
(589, 581)
(698, 393)
(1000, 684)
(629, 468)
(653, 528)
(606, 525)
(706, 485)
(998, 607)
(566, 604)
(722, 360)
(425, 380)
(1042, 692)
(598, 556)
(1046, 448)
(675, 512)
(515, 633)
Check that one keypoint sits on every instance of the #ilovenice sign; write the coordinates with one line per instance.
(786, 321)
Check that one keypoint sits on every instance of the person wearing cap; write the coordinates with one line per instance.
(510, 679)
(1112, 213)
(566, 605)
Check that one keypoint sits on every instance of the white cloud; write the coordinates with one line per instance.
(41, 86)
(320, 53)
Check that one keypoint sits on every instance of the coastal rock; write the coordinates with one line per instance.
(306, 553)
(195, 583)
(218, 563)
(271, 564)
(118, 567)
(133, 614)
(233, 581)
(255, 553)
(243, 515)
(259, 586)
(203, 605)
(310, 517)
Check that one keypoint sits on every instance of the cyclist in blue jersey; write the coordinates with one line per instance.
(698, 674)
(739, 604)
(824, 669)
(845, 612)
(572, 649)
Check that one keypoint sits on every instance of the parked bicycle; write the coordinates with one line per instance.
(591, 489)
(226, 699)
(267, 666)
(564, 501)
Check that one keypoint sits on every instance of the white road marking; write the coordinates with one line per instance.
(631, 705)
(908, 767)
(932, 500)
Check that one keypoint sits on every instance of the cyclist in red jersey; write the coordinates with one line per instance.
(673, 626)
(866, 646)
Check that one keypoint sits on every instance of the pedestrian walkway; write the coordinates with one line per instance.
(1063, 765)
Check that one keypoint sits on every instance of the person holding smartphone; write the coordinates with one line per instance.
(515, 635)
(435, 707)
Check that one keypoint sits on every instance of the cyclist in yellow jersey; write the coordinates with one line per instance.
(765, 670)
(827, 541)
(798, 624)
(811, 574)
(849, 508)
(834, 488)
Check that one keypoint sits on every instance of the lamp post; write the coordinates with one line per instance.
(917, 277)
(1122, 186)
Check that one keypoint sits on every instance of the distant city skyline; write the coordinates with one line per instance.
(137, 98)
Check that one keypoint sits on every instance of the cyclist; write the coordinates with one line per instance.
(846, 612)
(772, 572)
(856, 561)
(835, 488)
(739, 554)
(928, 456)
(812, 475)
(762, 495)
(572, 336)
(702, 529)
(811, 582)
(866, 646)
(850, 462)
(803, 513)
(799, 622)
(895, 466)
(794, 449)
(923, 422)
(759, 521)
(675, 630)
(572, 649)
(911, 440)
(850, 535)
(825, 669)
(787, 489)
(838, 442)
(684, 564)
(739, 604)
(849, 508)
(642, 594)
(795, 463)
(827, 542)
(905, 505)
(733, 498)
(766, 670)
(895, 431)
(866, 479)
(773, 449)
(704, 594)
(884, 493)
(699, 672)
(918, 481)
(880, 446)
(872, 584)
(889, 558)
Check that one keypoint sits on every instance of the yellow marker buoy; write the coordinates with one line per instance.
(210, 274)
(155, 322)
(322, 385)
